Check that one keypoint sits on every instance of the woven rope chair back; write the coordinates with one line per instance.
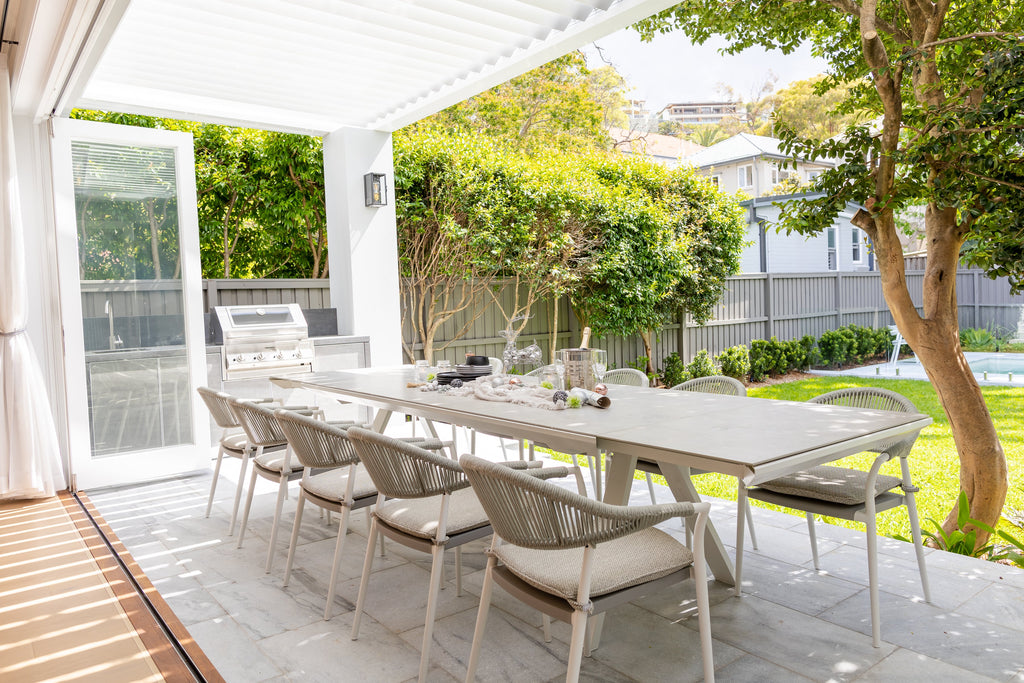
(716, 384)
(533, 513)
(873, 399)
(316, 443)
(627, 376)
(219, 404)
(401, 470)
(259, 423)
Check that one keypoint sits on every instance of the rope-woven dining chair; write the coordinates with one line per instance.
(279, 466)
(425, 504)
(628, 376)
(233, 442)
(340, 485)
(570, 556)
(847, 493)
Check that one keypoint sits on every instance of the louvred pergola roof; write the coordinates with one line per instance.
(318, 65)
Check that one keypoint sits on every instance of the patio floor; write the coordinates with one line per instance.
(792, 624)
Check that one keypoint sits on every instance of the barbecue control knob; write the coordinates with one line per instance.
(280, 355)
(259, 356)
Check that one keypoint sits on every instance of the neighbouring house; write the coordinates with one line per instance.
(667, 150)
(842, 247)
(751, 163)
(754, 165)
(699, 113)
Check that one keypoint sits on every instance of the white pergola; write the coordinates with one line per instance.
(351, 71)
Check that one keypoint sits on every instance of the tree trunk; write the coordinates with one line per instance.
(154, 237)
(934, 337)
(646, 336)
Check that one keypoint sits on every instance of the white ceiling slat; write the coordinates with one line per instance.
(450, 26)
(620, 15)
(249, 42)
(537, 14)
(268, 67)
(380, 29)
(319, 65)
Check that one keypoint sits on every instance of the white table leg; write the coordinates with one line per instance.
(679, 482)
(380, 421)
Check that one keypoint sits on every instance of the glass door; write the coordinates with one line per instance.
(125, 205)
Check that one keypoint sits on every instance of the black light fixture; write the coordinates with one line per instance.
(376, 189)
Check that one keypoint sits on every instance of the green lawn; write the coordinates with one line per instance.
(934, 464)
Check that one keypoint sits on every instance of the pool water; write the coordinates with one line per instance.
(1002, 364)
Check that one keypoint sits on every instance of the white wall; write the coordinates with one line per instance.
(363, 241)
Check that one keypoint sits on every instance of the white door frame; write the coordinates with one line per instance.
(109, 470)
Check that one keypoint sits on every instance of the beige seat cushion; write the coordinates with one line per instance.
(629, 561)
(274, 461)
(832, 484)
(332, 483)
(236, 444)
(419, 516)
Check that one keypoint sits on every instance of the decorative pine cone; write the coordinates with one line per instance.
(560, 396)
(456, 383)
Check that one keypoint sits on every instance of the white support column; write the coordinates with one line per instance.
(363, 242)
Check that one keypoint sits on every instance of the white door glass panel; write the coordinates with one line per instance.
(134, 344)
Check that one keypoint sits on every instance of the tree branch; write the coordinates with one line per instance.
(854, 10)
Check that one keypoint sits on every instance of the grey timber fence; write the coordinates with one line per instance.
(755, 306)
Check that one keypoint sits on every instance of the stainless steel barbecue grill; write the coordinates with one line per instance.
(264, 340)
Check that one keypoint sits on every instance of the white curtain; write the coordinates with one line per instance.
(30, 463)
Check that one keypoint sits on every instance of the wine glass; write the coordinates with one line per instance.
(560, 371)
(599, 363)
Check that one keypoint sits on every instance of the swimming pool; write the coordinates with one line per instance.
(988, 368)
(1002, 363)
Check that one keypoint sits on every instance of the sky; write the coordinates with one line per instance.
(671, 69)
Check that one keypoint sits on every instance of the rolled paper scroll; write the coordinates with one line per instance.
(591, 398)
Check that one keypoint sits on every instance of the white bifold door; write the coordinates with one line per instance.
(131, 301)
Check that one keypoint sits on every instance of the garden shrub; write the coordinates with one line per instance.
(674, 371)
(734, 362)
(837, 346)
(765, 356)
(977, 339)
(795, 356)
(701, 365)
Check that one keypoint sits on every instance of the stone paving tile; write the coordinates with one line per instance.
(787, 638)
(233, 651)
(750, 669)
(991, 649)
(324, 652)
(792, 623)
(906, 665)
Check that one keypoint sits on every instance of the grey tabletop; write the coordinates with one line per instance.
(746, 437)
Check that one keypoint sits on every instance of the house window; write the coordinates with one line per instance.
(855, 253)
(833, 261)
(716, 180)
(811, 175)
(778, 174)
(745, 175)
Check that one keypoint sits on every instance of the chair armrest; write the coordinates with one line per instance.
(549, 472)
(522, 464)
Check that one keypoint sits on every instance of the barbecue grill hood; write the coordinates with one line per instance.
(263, 340)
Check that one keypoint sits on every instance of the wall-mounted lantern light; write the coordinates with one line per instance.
(376, 188)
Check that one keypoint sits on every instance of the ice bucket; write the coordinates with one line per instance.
(579, 368)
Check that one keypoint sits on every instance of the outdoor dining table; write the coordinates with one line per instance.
(750, 438)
